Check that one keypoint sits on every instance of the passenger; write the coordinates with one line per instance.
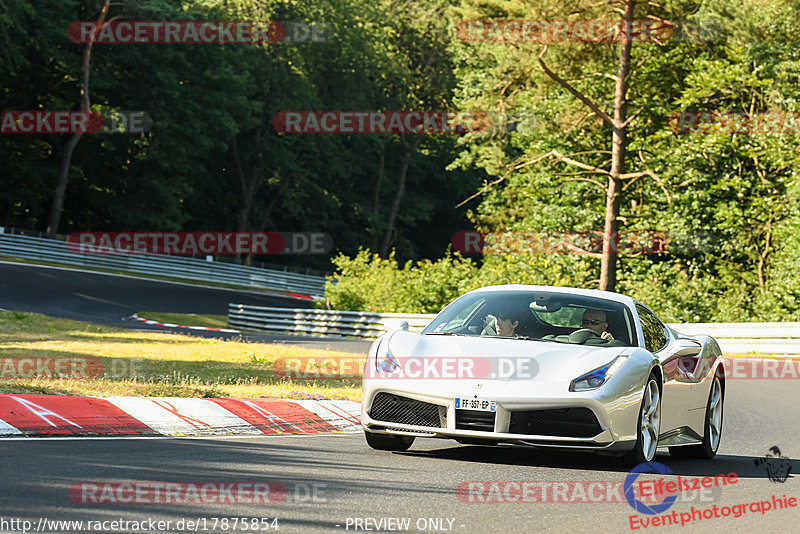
(507, 321)
(596, 320)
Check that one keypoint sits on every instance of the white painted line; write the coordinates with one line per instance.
(135, 317)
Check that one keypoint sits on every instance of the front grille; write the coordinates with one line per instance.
(565, 422)
(396, 409)
(475, 420)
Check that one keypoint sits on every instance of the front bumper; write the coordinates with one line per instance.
(600, 420)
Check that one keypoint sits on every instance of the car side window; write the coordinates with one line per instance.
(654, 335)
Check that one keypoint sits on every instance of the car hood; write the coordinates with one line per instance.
(545, 361)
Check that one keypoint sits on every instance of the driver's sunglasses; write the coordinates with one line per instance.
(591, 321)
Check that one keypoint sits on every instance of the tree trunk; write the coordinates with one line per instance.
(608, 262)
(376, 196)
(248, 188)
(66, 156)
(267, 215)
(388, 239)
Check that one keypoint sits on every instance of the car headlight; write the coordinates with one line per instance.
(385, 362)
(598, 377)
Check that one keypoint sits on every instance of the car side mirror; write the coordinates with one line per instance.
(395, 324)
(682, 361)
(686, 347)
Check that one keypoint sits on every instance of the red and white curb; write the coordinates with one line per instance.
(135, 317)
(53, 415)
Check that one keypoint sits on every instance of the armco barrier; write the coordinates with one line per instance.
(53, 250)
(318, 322)
(773, 338)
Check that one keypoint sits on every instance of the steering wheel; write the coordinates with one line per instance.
(579, 337)
(586, 330)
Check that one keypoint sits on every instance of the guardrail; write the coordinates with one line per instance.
(318, 322)
(773, 338)
(53, 250)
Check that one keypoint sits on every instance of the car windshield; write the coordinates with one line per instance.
(544, 316)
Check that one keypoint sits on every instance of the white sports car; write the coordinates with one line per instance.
(547, 367)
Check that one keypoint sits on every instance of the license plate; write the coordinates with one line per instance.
(481, 405)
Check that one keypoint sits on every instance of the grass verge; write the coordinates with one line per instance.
(40, 354)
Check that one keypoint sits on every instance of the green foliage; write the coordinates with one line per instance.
(732, 200)
(739, 190)
(367, 282)
(182, 175)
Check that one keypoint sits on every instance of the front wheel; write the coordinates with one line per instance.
(388, 442)
(713, 431)
(648, 425)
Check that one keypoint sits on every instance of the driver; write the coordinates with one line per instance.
(596, 320)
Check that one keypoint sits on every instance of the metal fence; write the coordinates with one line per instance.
(53, 250)
(319, 322)
(773, 338)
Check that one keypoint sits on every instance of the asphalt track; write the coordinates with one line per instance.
(333, 480)
(109, 299)
(353, 481)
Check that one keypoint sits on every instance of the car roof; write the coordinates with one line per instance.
(596, 293)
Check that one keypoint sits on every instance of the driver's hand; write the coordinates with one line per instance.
(607, 335)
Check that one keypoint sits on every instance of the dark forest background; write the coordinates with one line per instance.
(213, 161)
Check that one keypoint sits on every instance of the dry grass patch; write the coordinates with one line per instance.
(88, 359)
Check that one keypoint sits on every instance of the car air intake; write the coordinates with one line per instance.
(565, 422)
(396, 409)
(475, 420)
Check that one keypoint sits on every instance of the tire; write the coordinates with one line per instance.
(712, 435)
(648, 426)
(387, 442)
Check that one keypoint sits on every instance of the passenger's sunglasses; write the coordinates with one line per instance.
(591, 321)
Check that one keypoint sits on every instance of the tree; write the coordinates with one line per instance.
(72, 142)
(585, 62)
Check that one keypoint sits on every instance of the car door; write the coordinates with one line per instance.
(679, 396)
(656, 340)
